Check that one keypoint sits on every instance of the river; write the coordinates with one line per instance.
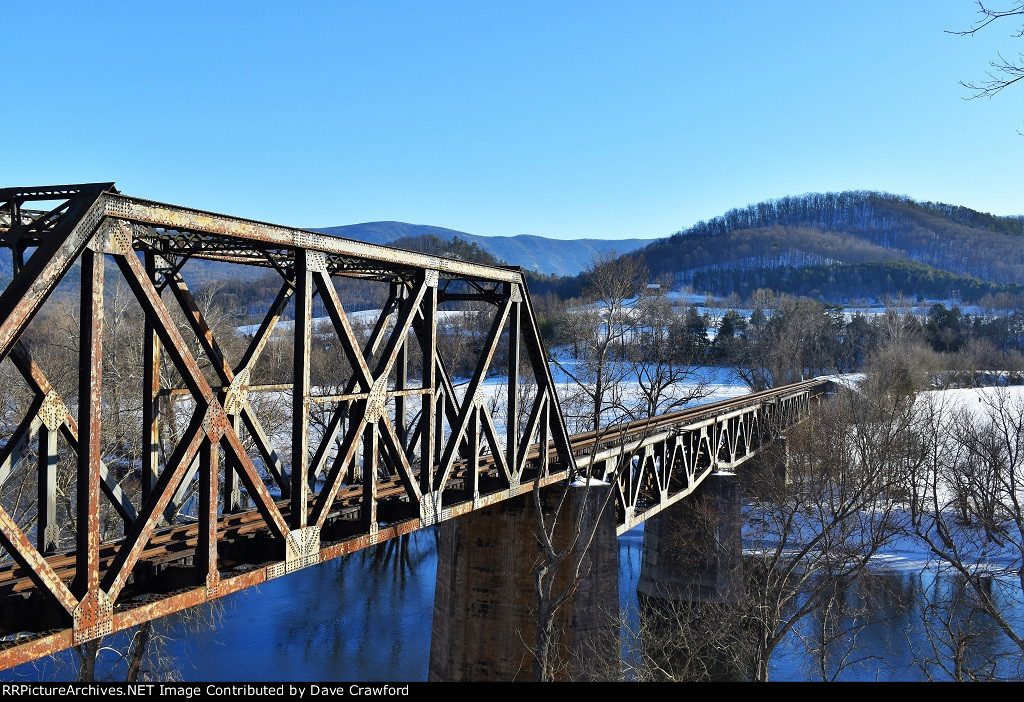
(367, 617)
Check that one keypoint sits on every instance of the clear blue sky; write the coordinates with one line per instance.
(558, 118)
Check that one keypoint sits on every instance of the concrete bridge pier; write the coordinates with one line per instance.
(691, 581)
(485, 603)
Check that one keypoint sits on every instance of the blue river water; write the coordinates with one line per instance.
(367, 617)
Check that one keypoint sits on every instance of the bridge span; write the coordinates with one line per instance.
(120, 509)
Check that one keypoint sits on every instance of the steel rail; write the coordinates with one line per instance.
(176, 543)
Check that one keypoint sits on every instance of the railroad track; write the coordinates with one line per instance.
(177, 544)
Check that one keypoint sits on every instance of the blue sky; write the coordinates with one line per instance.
(560, 118)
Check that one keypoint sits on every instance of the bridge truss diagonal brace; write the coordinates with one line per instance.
(357, 361)
(54, 415)
(17, 544)
(32, 285)
(134, 273)
(542, 372)
(472, 399)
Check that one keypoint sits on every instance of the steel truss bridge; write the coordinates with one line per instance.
(208, 505)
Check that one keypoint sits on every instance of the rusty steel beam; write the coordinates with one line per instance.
(90, 384)
(401, 381)
(305, 264)
(532, 422)
(270, 320)
(332, 481)
(368, 504)
(392, 443)
(56, 253)
(151, 393)
(267, 452)
(206, 551)
(233, 499)
(512, 409)
(197, 322)
(426, 331)
(269, 235)
(34, 564)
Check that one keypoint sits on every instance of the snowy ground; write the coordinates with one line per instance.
(906, 553)
(719, 383)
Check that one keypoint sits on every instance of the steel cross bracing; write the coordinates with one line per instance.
(652, 464)
(210, 505)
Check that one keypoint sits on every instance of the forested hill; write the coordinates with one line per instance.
(533, 253)
(850, 244)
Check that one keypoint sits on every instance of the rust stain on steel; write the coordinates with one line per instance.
(151, 393)
(206, 557)
(90, 385)
(174, 217)
(27, 291)
(141, 530)
(37, 567)
(34, 648)
(301, 342)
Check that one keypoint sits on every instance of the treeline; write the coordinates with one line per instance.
(785, 338)
(876, 279)
(764, 248)
(972, 218)
(802, 338)
(849, 227)
(448, 248)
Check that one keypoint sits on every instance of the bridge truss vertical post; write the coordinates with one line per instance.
(430, 417)
(401, 383)
(46, 520)
(512, 416)
(90, 406)
(300, 385)
(151, 392)
(206, 555)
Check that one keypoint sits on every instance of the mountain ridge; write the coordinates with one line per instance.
(563, 257)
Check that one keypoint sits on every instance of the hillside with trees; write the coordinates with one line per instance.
(841, 245)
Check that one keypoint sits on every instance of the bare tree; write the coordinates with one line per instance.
(810, 532)
(972, 520)
(619, 337)
(617, 308)
(799, 341)
(1002, 72)
(815, 532)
